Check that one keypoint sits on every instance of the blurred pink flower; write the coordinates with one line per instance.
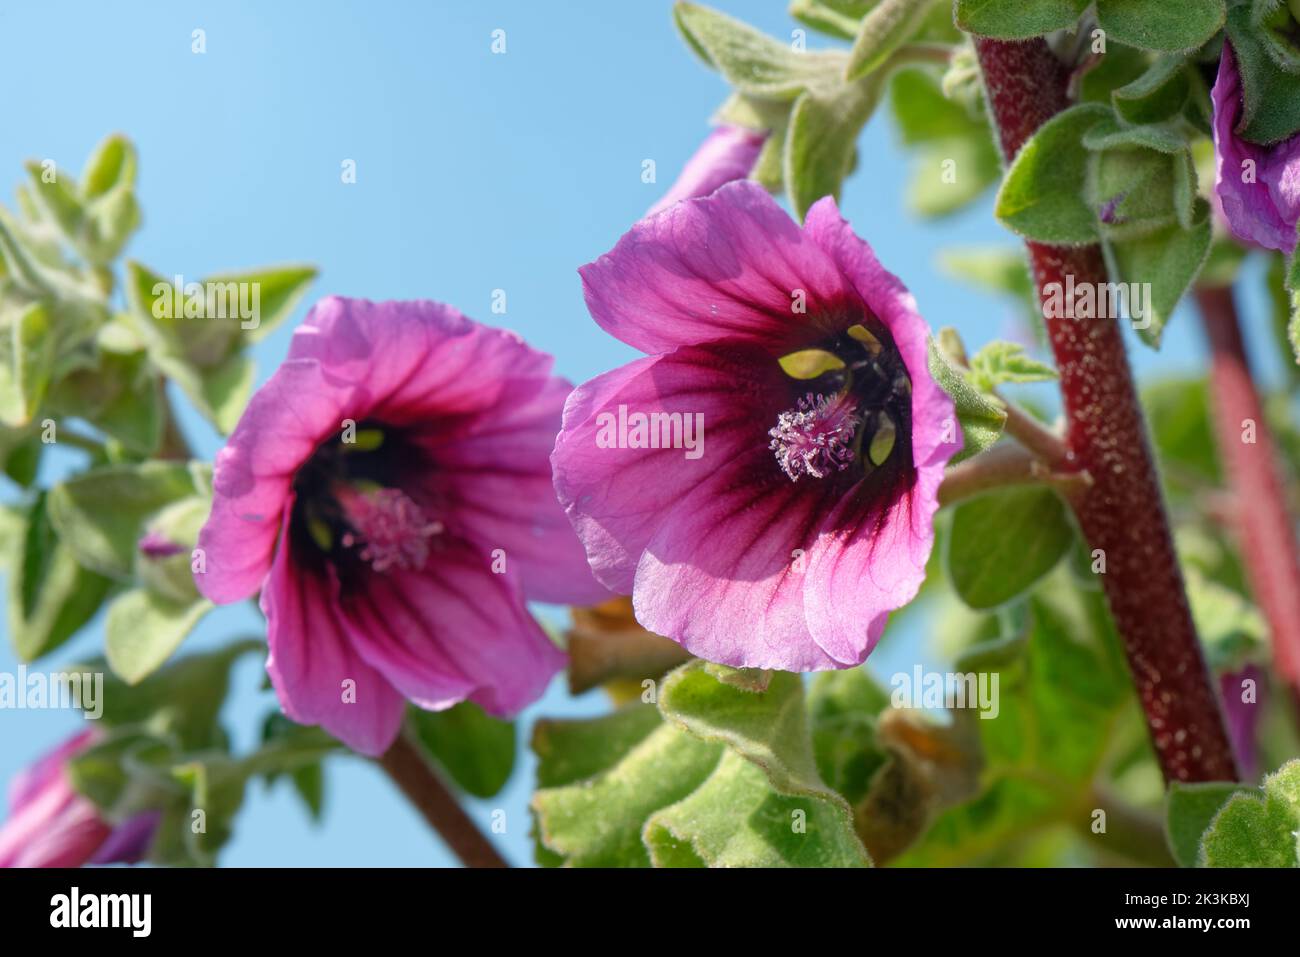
(51, 825)
(388, 491)
(806, 515)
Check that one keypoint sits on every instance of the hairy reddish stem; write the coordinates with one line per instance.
(424, 788)
(1268, 542)
(1122, 513)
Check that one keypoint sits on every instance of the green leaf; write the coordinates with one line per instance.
(597, 822)
(1002, 542)
(101, 514)
(1042, 197)
(1016, 19)
(979, 416)
(120, 394)
(476, 749)
(27, 350)
(50, 596)
(820, 139)
(751, 61)
(629, 790)
(1259, 829)
(837, 18)
(1166, 262)
(144, 628)
(1188, 812)
(882, 31)
(1000, 362)
(1270, 94)
(735, 819)
(1063, 684)
(1158, 94)
(1160, 25)
(278, 290)
(112, 164)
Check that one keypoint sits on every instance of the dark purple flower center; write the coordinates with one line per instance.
(854, 415)
(351, 509)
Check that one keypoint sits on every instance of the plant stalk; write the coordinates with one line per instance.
(424, 788)
(1267, 537)
(1122, 514)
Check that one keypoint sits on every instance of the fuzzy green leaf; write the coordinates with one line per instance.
(1159, 24)
(751, 61)
(1016, 19)
(979, 416)
(476, 749)
(1042, 197)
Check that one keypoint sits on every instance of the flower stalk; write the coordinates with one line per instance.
(1268, 543)
(422, 786)
(1122, 515)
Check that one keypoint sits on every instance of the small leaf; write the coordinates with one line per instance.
(980, 417)
(1015, 19)
(27, 351)
(1002, 542)
(1166, 263)
(1000, 362)
(1258, 829)
(112, 164)
(751, 61)
(1160, 25)
(1270, 95)
(820, 140)
(144, 628)
(50, 595)
(1188, 812)
(1042, 197)
(476, 749)
(101, 514)
(1158, 94)
(882, 31)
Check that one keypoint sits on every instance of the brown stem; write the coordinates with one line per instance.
(1268, 541)
(1123, 513)
(424, 788)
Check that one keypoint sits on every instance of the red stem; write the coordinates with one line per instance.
(1122, 513)
(424, 788)
(1268, 542)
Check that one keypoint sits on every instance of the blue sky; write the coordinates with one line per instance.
(475, 172)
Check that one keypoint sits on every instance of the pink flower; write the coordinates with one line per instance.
(784, 540)
(389, 493)
(51, 825)
(1242, 712)
(1257, 188)
(728, 153)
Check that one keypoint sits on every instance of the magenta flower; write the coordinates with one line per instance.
(728, 153)
(1243, 715)
(784, 537)
(388, 491)
(1257, 188)
(51, 825)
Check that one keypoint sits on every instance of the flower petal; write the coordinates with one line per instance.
(935, 437)
(417, 360)
(284, 423)
(727, 153)
(311, 657)
(494, 482)
(723, 574)
(452, 631)
(1257, 188)
(617, 497)
(730, 266)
